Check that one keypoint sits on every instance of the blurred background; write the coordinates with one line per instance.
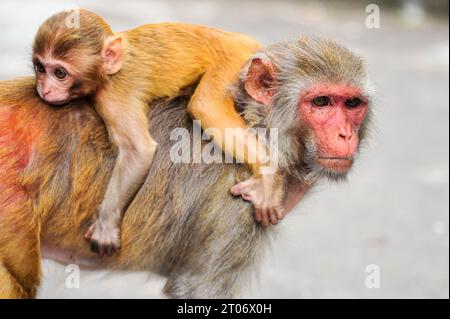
(393, 214)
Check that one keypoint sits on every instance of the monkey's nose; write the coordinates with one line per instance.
(345, 133)
(47, 92)
(345, 137)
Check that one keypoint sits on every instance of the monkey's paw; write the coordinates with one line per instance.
(104, 237)
(265, 193)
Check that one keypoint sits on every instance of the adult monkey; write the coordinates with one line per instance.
(187, 226)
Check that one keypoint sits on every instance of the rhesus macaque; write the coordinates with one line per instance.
(186, 226)
(126, 71)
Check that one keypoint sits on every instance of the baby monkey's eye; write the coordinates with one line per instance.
(352, 103)
(39, 67)
(61, 74)
(321, 101)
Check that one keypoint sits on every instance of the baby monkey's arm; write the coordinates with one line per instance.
(214, 107)
(127, 125)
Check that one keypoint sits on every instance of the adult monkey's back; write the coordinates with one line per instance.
(183, 222)
(177, 224)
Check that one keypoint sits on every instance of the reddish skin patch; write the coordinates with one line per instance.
(336, 125)
(16, 140)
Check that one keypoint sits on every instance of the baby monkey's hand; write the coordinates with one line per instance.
(266, 193)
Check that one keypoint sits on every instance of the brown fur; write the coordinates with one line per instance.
(183, 223)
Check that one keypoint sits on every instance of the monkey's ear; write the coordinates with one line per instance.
(260, 80)
(112, 53)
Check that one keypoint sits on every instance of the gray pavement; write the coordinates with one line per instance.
(393, 212)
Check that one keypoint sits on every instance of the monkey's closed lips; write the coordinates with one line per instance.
(337, 164)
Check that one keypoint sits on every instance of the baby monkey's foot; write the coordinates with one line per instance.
(265, 192)
(104, 237)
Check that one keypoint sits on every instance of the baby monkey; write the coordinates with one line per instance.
(123, 73)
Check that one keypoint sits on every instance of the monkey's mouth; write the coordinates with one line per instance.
(336, 164)
(56, 102)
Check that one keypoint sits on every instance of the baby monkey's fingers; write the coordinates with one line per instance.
(265, 196)
(108, 249)
(104, 237)
(89, 233)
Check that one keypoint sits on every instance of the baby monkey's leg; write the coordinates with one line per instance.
(128, 129)
(211, 105)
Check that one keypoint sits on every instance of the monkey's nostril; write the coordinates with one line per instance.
(345, 136)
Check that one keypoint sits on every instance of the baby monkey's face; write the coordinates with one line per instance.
(56, 82)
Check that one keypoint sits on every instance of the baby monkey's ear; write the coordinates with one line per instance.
(112, 53)
(260, 80)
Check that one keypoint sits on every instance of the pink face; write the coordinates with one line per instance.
(334, 113)
(54, 80)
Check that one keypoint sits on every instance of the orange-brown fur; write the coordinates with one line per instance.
(19, 226)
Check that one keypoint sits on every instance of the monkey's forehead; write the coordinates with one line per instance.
(335, 89)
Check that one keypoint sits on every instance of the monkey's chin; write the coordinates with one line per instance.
(338, 166)
(58, 102)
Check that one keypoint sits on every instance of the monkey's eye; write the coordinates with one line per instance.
(61, 74)
(321, 101)
(39, 68)
(352, 103)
